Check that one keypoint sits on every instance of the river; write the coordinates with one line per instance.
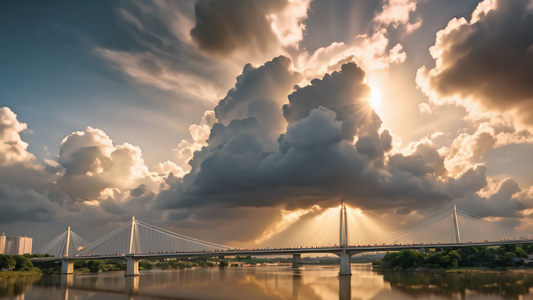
(270, 282)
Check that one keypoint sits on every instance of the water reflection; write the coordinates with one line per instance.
(345, 288)
(15, 286)
(132, 285)
(268, 282)
(415, 284)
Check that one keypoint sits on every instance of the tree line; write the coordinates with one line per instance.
(18, 262)
(503, 256)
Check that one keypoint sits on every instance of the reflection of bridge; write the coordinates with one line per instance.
(136, 240)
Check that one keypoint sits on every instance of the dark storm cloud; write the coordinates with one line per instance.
(223, 26)
(18, 204)
(489, 59)
(259, 93)
(343, 92)
(425, 160)
(315, 160)
(505, 202)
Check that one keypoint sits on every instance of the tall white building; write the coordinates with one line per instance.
(2, 244)
(15, 245)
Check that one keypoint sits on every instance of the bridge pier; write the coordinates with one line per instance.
(67, 267)
(296, 260)
(345, 267)
(132, 267)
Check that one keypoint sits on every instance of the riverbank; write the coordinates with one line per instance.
(463, 270)
(491, 270)
(13, 274)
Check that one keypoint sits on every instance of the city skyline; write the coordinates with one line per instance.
(211, 118)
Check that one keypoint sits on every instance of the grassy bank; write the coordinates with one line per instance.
(13, 274)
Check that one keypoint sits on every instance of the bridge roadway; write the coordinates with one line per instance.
(344, 253)
(311, 250)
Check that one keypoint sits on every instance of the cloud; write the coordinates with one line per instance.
(167, 34)
(506, 200)
(396, 13)
(259, 93)
(332, 145)
(94, 182)
(199, 134)
(486, 63)
(95, 167)
(17, 166)
(17, 205)
(370, 51)
(12, 148)
(260, 27)
(168, 73)
(344, 92)
(484, 136)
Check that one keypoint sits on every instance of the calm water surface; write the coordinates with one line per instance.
(270, 282)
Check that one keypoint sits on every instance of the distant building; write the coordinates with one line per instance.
(2, 244)
(15, 245)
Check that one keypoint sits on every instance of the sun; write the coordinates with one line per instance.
(375, 98)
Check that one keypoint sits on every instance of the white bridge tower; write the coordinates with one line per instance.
(343, 242)
(343, 226)
(456, 225)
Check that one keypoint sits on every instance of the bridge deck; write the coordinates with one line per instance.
(289, 251)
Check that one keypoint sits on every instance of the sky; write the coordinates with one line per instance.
(244, 122)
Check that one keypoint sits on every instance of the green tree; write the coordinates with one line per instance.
(472, 260)
(96, 265)
(80, 264)
(145, 264)
(520, 252)
(7, 262)
(22, 263)
(163, 265)
(508, 259)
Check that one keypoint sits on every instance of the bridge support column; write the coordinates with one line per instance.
(132, 267)
(296, 260)
(345, 268)
(67, 267)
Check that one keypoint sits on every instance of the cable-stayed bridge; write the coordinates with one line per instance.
(136, 240)
(66, 244)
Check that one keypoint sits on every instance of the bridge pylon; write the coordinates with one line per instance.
(345, 268)
(456, 225)
(343, 226)
(66, 266)
(132, 266)
(67, 242)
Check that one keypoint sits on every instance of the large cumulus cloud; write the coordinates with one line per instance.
(12, 148)
(259, 93)
(486, 62)
(332, 145)
(96, 168)
(90, 171)
(23, 183)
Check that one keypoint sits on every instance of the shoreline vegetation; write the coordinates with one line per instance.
(18, 265)
(493, 259)
(466, 260)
